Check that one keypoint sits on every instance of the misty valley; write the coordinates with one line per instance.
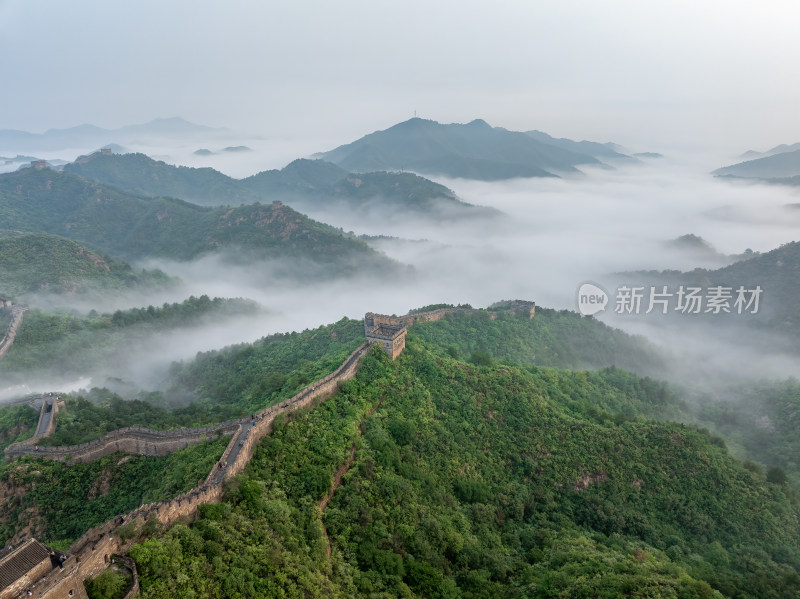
(441, 360)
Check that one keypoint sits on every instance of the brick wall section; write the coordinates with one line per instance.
(132, 439)
(51, 426)
(130, 565)
(13, 327)
(69, 580)
(319, 390)
(430, 316)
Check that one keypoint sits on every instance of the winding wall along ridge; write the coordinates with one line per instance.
(90, 554)
(153, 442)
(11, 332)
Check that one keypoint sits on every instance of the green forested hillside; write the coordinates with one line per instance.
(474, 150)
(132, 227)
(247, 378)
(473, 481)
(303, 184)
(776, 272)
(57, 502)
(139, 174)
(67, 344)
(760, 421)
(42, 263)
(552, 338)
(17, 423)
(461, 475)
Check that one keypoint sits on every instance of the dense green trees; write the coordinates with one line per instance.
(468, 477)
(110, 584)
(40, 263)
(552, 338)
(486, 481)
(16, 424)
(246, 378)
(64, 343)
(59, 502)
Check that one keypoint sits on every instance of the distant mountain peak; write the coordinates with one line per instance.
(782, 165)
(414, 123)
(474, 150)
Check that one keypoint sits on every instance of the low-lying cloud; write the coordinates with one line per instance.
(555, 235)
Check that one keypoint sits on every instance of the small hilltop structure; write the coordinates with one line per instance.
(385, 330)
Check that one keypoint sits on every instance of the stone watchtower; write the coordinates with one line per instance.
(24, 567)
(389, 331)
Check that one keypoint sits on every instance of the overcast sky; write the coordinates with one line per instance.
(695, 74)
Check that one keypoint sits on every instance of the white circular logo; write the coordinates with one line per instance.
(591, 299)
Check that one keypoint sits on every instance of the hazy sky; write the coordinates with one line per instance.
(657, 74)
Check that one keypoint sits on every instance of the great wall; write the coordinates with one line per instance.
(92, 553)
(16, 320)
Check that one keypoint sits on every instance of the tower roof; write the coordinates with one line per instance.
(21, 561)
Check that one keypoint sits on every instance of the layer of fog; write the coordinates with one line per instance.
(262, 153)
(557, 234)
(41, 385)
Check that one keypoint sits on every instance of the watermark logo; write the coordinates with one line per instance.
(591, 299)
(688, 300)
(682, 299)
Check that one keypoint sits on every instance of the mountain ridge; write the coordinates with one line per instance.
(133, 227)
(42, 263)
(772, 168)
(303, 184)
(88, 135)
(474, 150)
